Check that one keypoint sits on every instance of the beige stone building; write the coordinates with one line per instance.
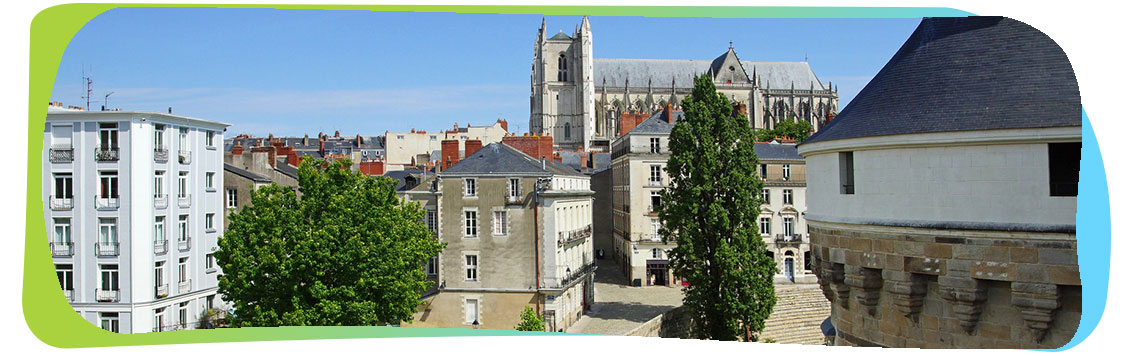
(953, 227)
(781, 223)
(518, 233)
(405, 150)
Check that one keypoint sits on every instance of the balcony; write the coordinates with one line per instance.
(106, 154)
(566, 237)
(62, 203)
(161, 291)
(62, 249)
(61, 155)
(105, 249)
(513, 200)
(184, 286)
(183, 243)
(107, 296)
(647, 237)
(651, 209)
(160, 154)
(184, 201)
(160, 247)
(69, 294)
(184, 156)
(106, 203)
(572, 277)
(654, 183)
(782, 239)
(161, 201)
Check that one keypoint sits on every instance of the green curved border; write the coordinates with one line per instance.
(52, 319)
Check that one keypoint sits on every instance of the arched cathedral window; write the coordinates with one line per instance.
(562, 68)
(567, 130)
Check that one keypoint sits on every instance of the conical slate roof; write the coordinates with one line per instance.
(967, 73)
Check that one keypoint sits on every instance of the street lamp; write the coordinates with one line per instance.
(475, 324)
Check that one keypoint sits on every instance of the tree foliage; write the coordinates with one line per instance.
(348, 252)
(710, 211)
(798, 130)
(530, 321)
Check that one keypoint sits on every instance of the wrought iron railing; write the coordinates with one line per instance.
(110, 202)
(571, 275)
(565, 237)
(106, 248)
(62, 249)
(788, 239)
(62, 203)
(513, 199)
(160, 246)
(106, 154)
(161, 154)
(107, 295)
(183, 243)
(61, 155)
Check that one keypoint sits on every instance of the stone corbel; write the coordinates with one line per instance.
(967, 297)
(823, 270)
(867, 283)
(907, 292)
(842, 289)
(1037, 303)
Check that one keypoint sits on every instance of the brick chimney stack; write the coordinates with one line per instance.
(237, 149)
(449, 152)
(669, 114)
(472, 146)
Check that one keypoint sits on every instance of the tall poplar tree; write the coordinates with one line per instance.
(710, 210)
(347, 252)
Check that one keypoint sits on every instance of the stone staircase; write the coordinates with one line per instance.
(796, 318)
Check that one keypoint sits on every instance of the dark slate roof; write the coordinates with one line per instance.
(774, 75)
(781, 151)
(245, 173)
(285, 168)
(601, 160)
(500, 158)
(401, 178)
(967, 73)
(656, 124)
(561, 36)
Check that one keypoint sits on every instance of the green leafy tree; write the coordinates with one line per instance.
(710, 211)
(795, 129)
(348, 252)
(530, 321)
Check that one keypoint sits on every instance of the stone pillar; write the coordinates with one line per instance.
(1037, 303)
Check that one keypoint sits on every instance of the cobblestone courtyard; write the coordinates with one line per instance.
(620, 308)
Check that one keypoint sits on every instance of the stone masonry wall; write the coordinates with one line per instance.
(928, 288)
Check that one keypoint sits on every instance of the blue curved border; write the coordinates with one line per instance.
(1092, 221)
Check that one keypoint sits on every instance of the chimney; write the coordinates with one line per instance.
(503, 122)
(337, 133)
(322, 147)
(472, 146)
(359, 141)
(585, 159)
(449, 152)
(669, 114)
(170, 109)
(305, 139)
(237, 149)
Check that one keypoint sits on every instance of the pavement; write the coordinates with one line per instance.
(620, 308)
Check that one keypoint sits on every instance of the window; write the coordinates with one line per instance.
(433, 266)
(764, 226)
(108, 184)
(399, 137)
(567, 129)
(108, 135)
(469, 187)
(66, 275)
(209, 301)
(471, 223)
(107, 231)
(182, 316)
(656, 253)
(158, 137)
(562, 68)
(788, 196)
(500, 223)
(209, 180)
(183, 143)
(182, 185)
(789, 226)
(159, 230)
(433, 138)
(655, 178)
(1063, 168)
(471, 307)
(430, 220)
(109, 277)
(182, 269)
(159, 319)
(62, 231)
(655, 226)
(847, 173)
(159, 274)
(513, 188)
(210, 139)
(61, 136)
(764, 171)
(765, 197)
(232, 194)
(182, 227)
(209, 222)
(158, 184)
(654, 145)
(786, 172)
(64, 183)
(209, 262)
(109, 321)
(472, 267)
(654, 202)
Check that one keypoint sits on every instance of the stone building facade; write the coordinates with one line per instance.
(782, 220)
(953, 227)
(518, 232)
(407, 150)
(580, 100)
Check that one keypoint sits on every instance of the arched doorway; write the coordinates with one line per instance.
(789, 266)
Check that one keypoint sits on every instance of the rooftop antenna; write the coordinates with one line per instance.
(106, 100)
(89, 86)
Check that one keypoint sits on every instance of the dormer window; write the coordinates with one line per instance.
(562, 68)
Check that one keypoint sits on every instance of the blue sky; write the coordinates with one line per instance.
(291, 72)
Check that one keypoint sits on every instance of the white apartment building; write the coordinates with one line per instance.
(133, 208)
(784, 205)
